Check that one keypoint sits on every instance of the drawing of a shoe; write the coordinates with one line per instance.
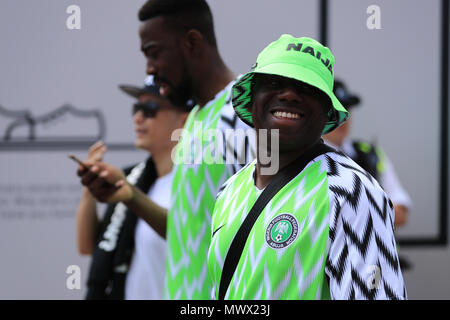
(64, 124)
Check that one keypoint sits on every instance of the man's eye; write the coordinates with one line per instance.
(151, 53)
(270, 83)
(309, 90)
(274, 84)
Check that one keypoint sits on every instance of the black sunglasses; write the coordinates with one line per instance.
(149, 109)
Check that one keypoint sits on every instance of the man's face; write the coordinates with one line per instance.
(165, 60)
(154, 133)
(291, 106)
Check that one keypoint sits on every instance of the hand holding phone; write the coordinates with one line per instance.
(94, 178)
(92, 175)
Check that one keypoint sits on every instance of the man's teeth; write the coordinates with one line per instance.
(289, 115)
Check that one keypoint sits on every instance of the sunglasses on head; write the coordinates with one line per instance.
(149, 109)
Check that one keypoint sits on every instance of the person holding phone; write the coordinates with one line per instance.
(127, 254)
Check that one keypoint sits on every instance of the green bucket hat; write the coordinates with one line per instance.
(302, 59)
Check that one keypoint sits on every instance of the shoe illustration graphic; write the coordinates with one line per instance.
(64, 125)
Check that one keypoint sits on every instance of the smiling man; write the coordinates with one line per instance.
(321, 227)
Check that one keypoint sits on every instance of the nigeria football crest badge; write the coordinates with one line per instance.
(282, 231)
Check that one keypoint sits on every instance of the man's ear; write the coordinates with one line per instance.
(193, 42)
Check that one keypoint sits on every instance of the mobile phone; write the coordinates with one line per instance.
(81, 163)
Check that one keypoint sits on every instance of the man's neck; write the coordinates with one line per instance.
(285, 158)
(214, 78)
(335, 143)
(163, 161)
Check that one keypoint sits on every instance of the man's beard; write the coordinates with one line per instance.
(182, 93)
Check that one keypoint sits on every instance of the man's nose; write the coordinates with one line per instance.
(138, 117)
(151, 69)
(290, 93)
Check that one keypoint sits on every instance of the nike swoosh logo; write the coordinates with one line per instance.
(216, 230)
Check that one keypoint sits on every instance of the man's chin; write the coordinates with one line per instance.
(177, 100)
(141, 145)
(180, 95)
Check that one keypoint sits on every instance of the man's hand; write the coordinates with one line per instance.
(95, 155)
(96, 152)
(106, 182)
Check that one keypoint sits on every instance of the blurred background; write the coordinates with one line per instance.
(59, 94)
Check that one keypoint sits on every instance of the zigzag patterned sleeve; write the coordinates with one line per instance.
(362, 261)
(239, 139)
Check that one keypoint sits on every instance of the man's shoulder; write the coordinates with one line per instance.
(344, 173)
(354, 189)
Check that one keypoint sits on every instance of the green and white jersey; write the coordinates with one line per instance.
(328, 233)
(201, 167)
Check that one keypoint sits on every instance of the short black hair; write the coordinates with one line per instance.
(187, 14)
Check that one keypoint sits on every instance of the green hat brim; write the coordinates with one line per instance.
(242, 91)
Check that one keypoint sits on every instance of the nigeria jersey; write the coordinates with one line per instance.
(207, 154)
(328, 233)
